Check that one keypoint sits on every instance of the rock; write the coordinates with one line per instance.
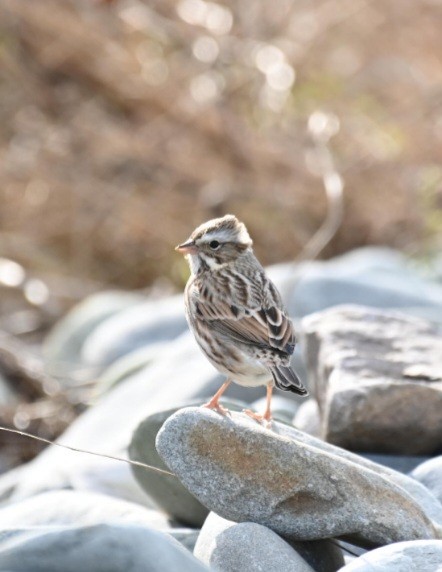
(430, 475)
(130, 364)
(167, 492)
(104, 476)
(250, 546)
(226, 546)
(371, 276)
(62, 347)
(75, 508)
(377, 378)
(149, 323)
(418, 555)
(402, 463)
(307, 418)
(283, 409)
(185, 536)
(244, 472)
(79, 509)
(98, 548)
(107, 427)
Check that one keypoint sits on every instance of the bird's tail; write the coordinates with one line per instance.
(287, 380)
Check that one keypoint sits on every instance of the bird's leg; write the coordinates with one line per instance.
(214, 402)
(268, 412)
(266, 418)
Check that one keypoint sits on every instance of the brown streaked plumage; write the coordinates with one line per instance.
(236, 312)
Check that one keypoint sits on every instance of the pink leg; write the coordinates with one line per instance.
(265, 419)
(214, 402)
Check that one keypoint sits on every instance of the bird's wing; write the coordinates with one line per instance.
(261, 322)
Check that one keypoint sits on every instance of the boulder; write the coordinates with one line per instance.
(377, 378)
(244, 472)
(167, 492)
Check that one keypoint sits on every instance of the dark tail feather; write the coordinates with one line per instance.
(287, 380)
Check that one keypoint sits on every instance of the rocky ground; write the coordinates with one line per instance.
(348, 480)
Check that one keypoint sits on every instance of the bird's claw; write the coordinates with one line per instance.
(215, 406)
(264, 420)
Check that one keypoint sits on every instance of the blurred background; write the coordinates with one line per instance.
(126, 123)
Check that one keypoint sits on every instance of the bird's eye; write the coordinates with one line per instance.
(214, 245)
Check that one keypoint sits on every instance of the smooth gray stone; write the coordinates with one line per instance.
(107, 428)
(62, 347)
(402, 463)
(227, 546)
(151, 322)
(283, 408)
(167, 492)
(98, 548)
(252, 547)
(420, 494)
(130, 364)
(371, 276)
(430, 475)
(78, 508)
(377, 377)
(244, 472)
(108, 425)
(307, 418)
(413, 556)
(67, 507)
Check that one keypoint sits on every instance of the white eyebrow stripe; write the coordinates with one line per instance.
(219, 235)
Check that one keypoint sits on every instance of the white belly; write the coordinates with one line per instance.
(250, 373)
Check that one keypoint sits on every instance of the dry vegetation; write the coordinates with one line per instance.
(125, 123)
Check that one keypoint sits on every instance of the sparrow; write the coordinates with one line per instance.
(236, 313)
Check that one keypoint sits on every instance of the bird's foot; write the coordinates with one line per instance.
(214, 405)
(265, 420)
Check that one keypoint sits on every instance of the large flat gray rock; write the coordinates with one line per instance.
(377, 377)
(167, 492)
(244, 472)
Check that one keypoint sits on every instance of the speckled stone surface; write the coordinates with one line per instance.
(377, 377)
(244, 472)
(227, 546)
(416, 556)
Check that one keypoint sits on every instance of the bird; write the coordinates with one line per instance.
(236, 313)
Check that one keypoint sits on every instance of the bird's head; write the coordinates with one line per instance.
(215, 243)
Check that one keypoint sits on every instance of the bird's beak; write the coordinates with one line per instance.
(188, 247)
